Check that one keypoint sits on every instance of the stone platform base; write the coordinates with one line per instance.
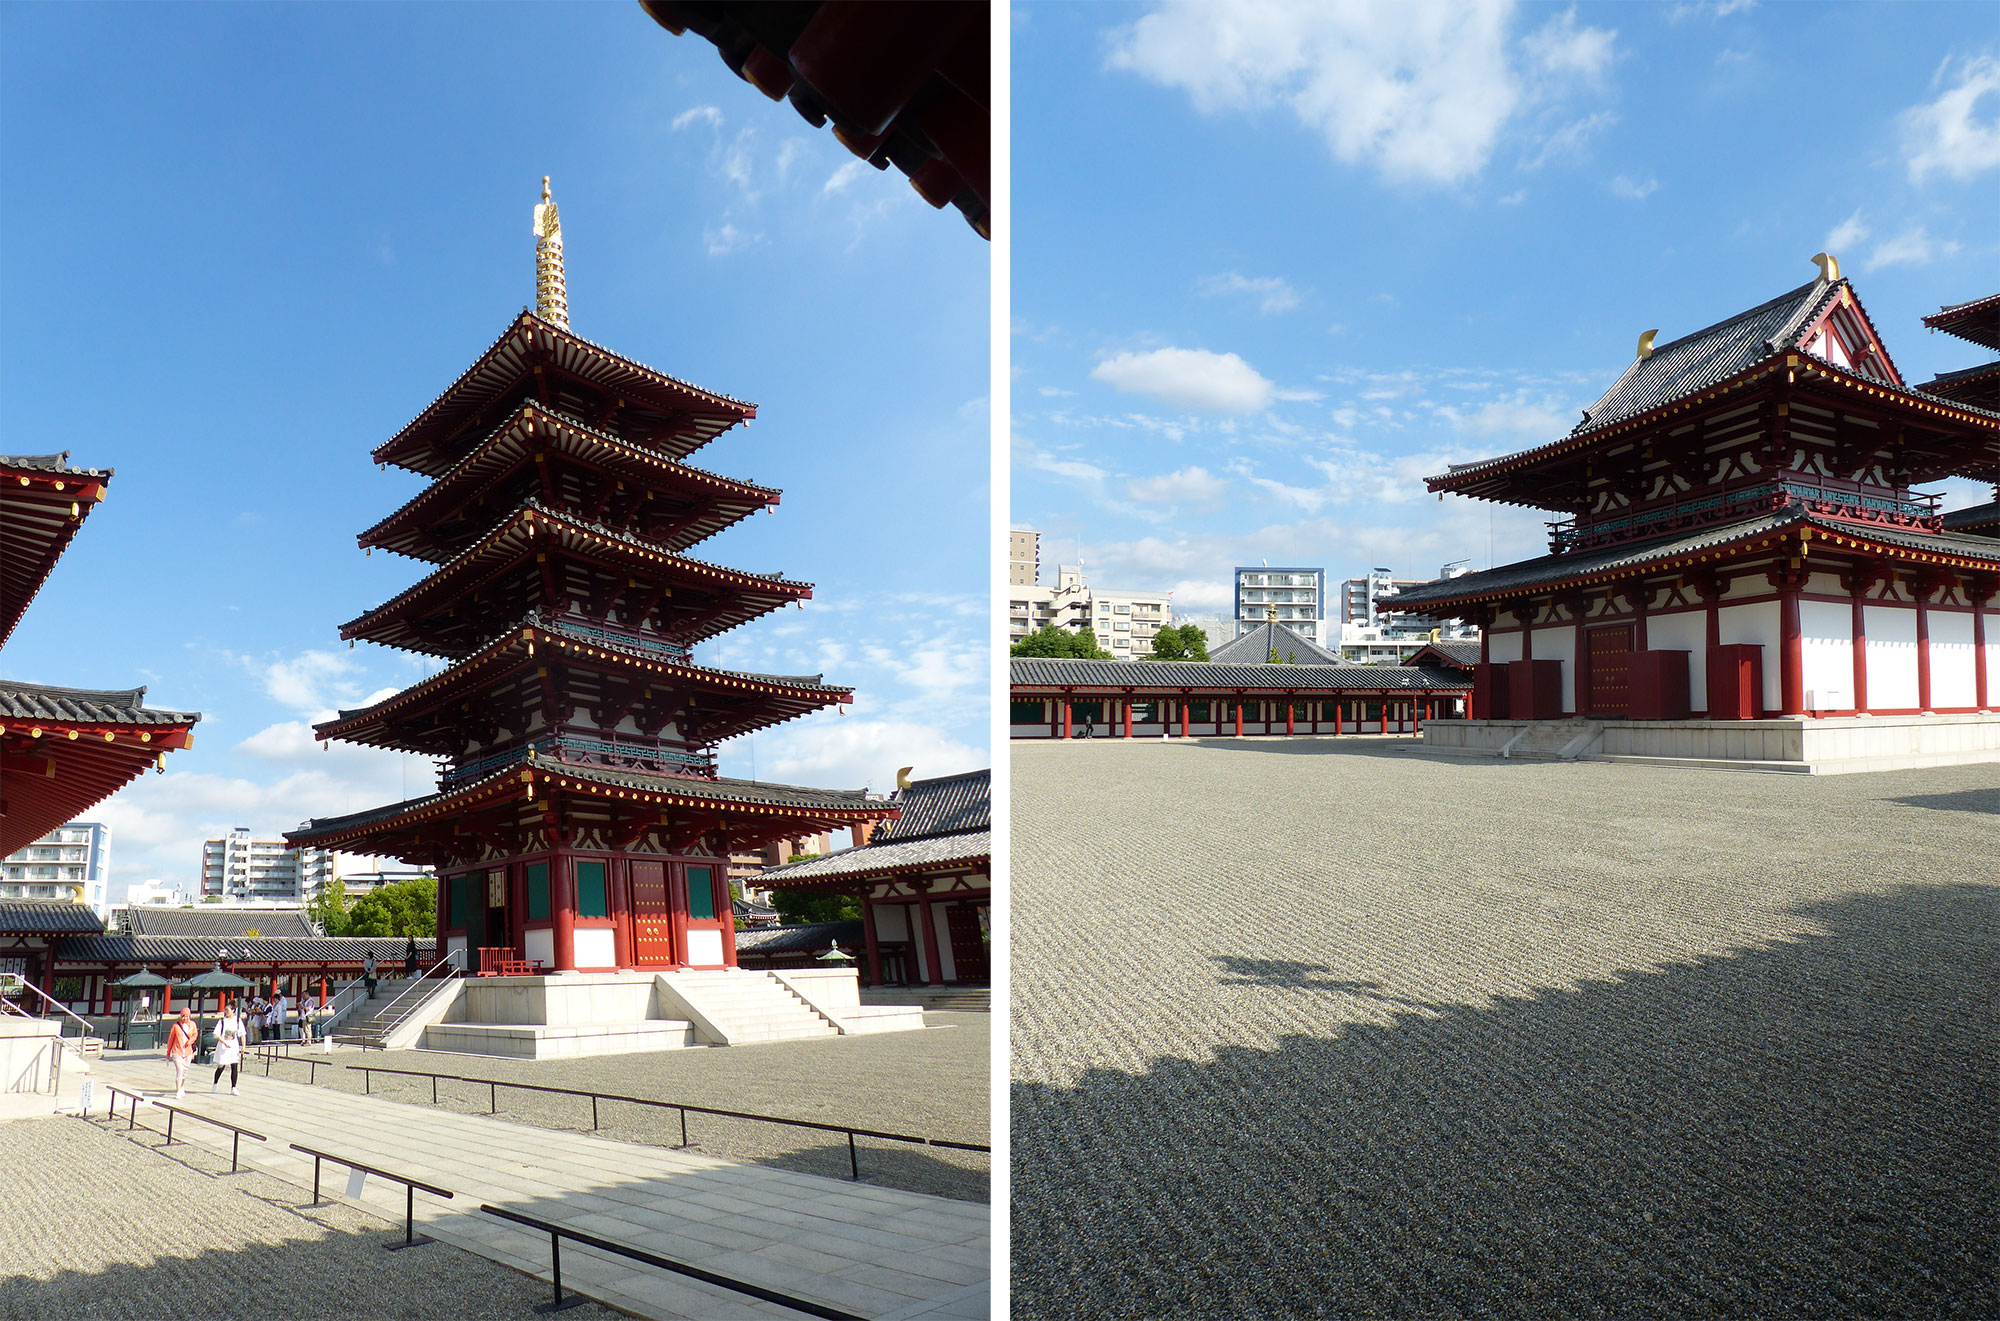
(1799, 745)
(543, 1041)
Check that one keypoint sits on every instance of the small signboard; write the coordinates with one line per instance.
(355, 1179)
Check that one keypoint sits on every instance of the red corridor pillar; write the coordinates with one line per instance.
(1184, 719)
(1791, 654)
(1288, 717)
(1860, 652)
(1922, 591)
(1128, 718)
(1239, 720)
(1065, 717)
(1979, 679)
(562, 907)
(1339, 709)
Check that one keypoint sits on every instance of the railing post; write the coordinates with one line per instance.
(170, 1127)
(555, 1263)
(434, 1089)
(492, 1098)
(684, 1128)
(853, 1161)
(235, 1144)
(593, 1112)
(315, 1200)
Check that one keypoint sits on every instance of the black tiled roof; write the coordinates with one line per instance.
(46, 917)
(967, 848)
(942, 806)
(37, 701)
(1983, 519)
(1172, 676)
(807, 938)
(1256, 646)
(1456, 652)
(1547, 569)
(1976, 319)
(52, 463)
(156, 951)
(213, 920)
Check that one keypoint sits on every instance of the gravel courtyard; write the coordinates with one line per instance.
(1321, 1028)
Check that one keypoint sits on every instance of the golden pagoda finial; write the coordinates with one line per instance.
(1829, 268)
(551, 297)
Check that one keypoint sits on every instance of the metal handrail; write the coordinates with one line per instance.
(84, 1034)
(235, 1142)
(557, 1233)
(410, 1237)
(455, 958)
(493, 1107)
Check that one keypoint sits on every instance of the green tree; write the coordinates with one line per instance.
(328, 909)
(795, 907)
(1195, 641)
(1167, 645)
(1054, 643)
(407, 908)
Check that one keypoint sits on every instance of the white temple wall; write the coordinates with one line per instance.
(1687, 631)
(1825, 584)
(1504, 647)
(1826, 650)
(1560, 644)
(1757, 625)
(1953, 681)
(890, 922)
(1892, 658)
(1744, 584)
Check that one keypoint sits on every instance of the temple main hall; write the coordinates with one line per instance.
(579, 823)
(1742, 567)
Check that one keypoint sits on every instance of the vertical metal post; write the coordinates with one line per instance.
(235, 1144)
(409, 1214)
(853, 1161)
(135, 1113)
(368, 1082)
(593, 1112)
(555, 1262)
(492, 1098)
(684, 1126)
(315, 1180)
(434, 1089)
(170, 1128)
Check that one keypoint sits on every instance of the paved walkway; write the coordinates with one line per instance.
(880, 1252)
(1305, 1028)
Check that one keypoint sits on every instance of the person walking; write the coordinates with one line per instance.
(410, 958)
(180, 1050)
(368, 970)
(274, 1022)
(229, 1035)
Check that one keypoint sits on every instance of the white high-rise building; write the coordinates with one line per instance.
(1293, 596)
(242, 868)
(70, 862)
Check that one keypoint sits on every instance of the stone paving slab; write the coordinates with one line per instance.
(749, 1220)
(1317, 1029)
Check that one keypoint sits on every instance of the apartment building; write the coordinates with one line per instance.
(70, 862)
(1125, 622)
(1024, 557)
(242, 868)
(1298, 595)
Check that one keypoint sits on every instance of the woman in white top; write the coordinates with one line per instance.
(229, 1036)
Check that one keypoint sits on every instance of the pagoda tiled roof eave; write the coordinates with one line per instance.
(1975, 517)
(1682, 550)
(526, 779)
(85, 706)
(43, 503)
(122, 948)
(515, 645)
(530, 324)
(523, 417)
(1953, 319)
(1462, 474)
(532, 512)
(1034, 673)
(55, 465)
(928, 853)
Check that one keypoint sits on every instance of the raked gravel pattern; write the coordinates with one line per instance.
(1316, 1028)
(935, 1083)
(101, 1226)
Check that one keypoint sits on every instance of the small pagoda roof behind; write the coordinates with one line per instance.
(84, 706)
(46, 917)
(947, 805)
(213, 920)
(1978, 386)
(1455, 654)
(64, 749)
(43, 501)
(806, 938)
(1977, 320)
(1256, 646)
(1980, 520)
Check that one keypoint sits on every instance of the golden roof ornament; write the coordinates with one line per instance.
(551, 297)
(1829, 268)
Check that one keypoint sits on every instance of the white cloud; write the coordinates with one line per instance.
(1420, 92)
(1912, 247)
(726, 238)
(1957, 135)
(1515, 198)
(1188, 486)
(1503, 417)
(1846, 234)
(841, 179)
(1710, 9)
(1271, 293)
(1634, 190)
(1188, 378)
(701, 114)
(1569, 140)
(854, 752)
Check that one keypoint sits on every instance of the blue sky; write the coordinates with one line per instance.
(1275, 264)
(246, 244)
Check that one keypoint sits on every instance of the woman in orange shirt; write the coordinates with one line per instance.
(180, 1051)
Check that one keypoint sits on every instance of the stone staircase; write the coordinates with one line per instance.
(1550, 740)
(371, 1023)
(738, 1006)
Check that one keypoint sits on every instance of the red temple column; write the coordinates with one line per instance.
(1860, 649)
(1066, 726)
(868, 940)
(1339, 708)
(1526, 614)
(1791, 652)
(620, 902)
(1185, 711)
(562, 908)
(728, 912)
(1416, 717)
(677, 914)
(1383, 698)
(1239, 716)
(1128, 717)
(1979, 593)
(1288, 718)
(933, 968)
(1921, 587)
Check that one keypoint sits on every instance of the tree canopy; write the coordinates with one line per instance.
(795, 907)
(1055, 643)
(407, 908)
(1182, 642)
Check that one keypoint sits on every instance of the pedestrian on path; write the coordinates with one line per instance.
(410, 958)
(368, 973)
(274, 1022)
(180, 1050)
(229, 1036)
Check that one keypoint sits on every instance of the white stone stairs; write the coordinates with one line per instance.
(733, 1006)
(1553, 740)
(371, 1021)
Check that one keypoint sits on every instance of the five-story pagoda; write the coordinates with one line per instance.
(579, 823)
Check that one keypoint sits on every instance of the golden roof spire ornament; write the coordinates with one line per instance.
(551, 297)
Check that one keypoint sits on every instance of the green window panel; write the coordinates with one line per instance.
(590, 890)
(701, 893)
(1025, 713)
(538, 891)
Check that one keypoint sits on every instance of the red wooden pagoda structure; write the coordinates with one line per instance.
(62, 750)
(579, 823)
(1740, 536)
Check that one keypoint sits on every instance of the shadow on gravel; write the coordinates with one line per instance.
(1986, 801)
(1307, 977)
(1805, 1130)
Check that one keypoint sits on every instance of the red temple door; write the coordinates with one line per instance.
(652, 924)
(1610, 658)
(969, 959)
